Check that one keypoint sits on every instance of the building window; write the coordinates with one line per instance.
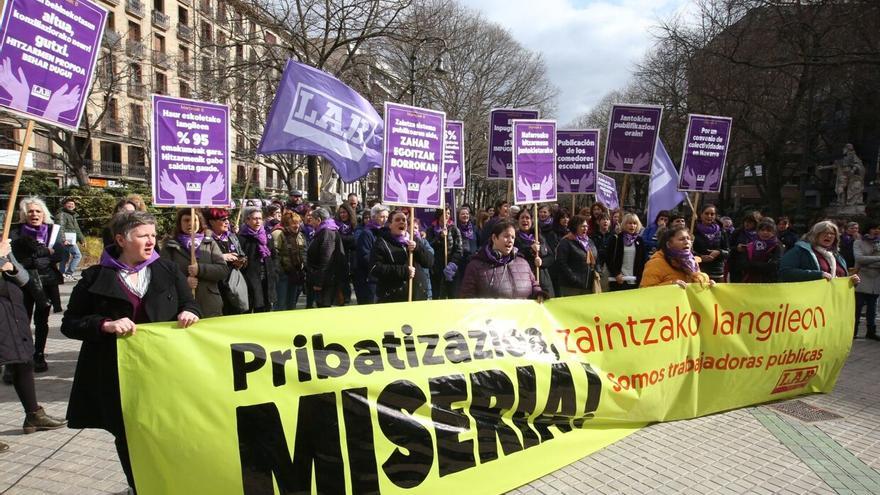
(184, 90)
(136, 156)
(159, 43)
(240, 174)
(137, 114)
(206, 33)
(111, 21)
(161, 85)
(111, 152)
(7, 137)
(134, 31)
(159, 5)
(182, 15)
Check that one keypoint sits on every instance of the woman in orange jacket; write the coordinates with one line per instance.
(674, 262)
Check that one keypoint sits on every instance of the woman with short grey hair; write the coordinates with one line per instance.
(326, 267)
(815, 257)
(131, 285)
(260, 272)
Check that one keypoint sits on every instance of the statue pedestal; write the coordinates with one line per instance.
(846, 211)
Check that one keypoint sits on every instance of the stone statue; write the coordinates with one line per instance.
(329, 191)
(850, 178)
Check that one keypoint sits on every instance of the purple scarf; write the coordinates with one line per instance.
(41, 233)
(329, 224)
(526, 236)
(437, 228)
(402, 239)
(374, 225)
(343, 227)
(186, 239)
(503, 260)
(759, 250)
(467, 231)
(750, 235)
(685, 259)
(107, 260)
(629, 239)
(260, 236)
(584, 241)
(548, 222)
(711, 232)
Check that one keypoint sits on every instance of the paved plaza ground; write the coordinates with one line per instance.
(755, 450)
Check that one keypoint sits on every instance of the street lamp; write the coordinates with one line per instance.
(438, 66)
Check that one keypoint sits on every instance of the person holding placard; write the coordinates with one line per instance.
(38, 245)
(260, 272)
(210, 267)
(576, 260)
(498, 271)
(389, 262)
(445, 267)
(534, 249)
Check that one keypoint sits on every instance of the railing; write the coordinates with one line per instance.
(185, 69)
(116, 169)
(185, 32)
(135, 8)
(161, 59)
(48, 164)
(111, 38)
(136, 89)
(161, 20)
(137, 131)
(134, 48)
(111, 125)
(112, 2)
(206, 8)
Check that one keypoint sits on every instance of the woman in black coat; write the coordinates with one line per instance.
(445, 267)
(326, 262)
(260, 272)
(38, 245)
(470, 243)
(576, 259)
(628, 255)
(16, 346)
(130, 286)
(389, 263)
(536, 251)
(711, 244)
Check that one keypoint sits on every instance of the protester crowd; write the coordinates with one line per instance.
(215, 262)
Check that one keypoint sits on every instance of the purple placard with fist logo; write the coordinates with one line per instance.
(413, 169)
(48, 51)
(190, 153)
(453, 155)
(632, 135)
(500, 165)
(606, 191)
(577, 152)
(534, 161)
(705, 153)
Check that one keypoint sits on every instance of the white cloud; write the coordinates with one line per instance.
(590, 46)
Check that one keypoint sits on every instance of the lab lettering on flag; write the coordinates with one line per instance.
(453, 155)
(413, 170)
(577, 153)
(316, 114)
(48, 52)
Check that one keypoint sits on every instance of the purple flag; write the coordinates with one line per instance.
(500, 149)
(534, 161)
(190, 156)
(316, 114)
(705, 153)
(413, 170)
(453, 155)
(632, 134)
(48, 52)
(577, 152)
(606, 191)
(662, 193)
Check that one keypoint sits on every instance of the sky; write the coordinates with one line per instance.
(590, 46)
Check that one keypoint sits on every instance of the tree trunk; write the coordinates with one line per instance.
(312, 163)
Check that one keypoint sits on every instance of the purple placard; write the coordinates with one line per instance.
(534, 161)
(48, 51)
(606, 191)
(190, 153)
(577, 152)
(500, 164)
(705, 153)
(632, 136)
(453, 155)
(413, 169)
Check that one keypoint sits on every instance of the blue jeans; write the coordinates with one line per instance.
(869, 302)
(288, 293)
(73, 255)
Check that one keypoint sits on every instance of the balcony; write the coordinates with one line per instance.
(112, 2)
(43, 162)
(111, 125)
(111, 39)
(137, 89)
(137, 131)
(116, 169)
(160, 20)
(238, 27)
(184, 33)
(206, 9)
(185, 69)
(135, 8)
(134, 48)
(161, 60)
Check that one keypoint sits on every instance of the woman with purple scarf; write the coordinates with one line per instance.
(626, 260)
(210, 267)
(738, 242)
(470, 243)
(260, 272)
(445, 267)
(535, 250)
(763, 255)
(130, 286)
(38, 245)
(389, 262)
(710, 243)
(347, 222)
(674, 262)
(364, 284)
(498, 271)
(576, 259)
(326, 263)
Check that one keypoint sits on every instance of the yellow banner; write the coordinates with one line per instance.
(467, 396)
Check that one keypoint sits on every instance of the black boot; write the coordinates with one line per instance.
(7, 375)
(872, 334)
(40, 421)
(40, 365)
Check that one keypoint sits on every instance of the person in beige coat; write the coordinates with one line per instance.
(866, 252)
(210, 267)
